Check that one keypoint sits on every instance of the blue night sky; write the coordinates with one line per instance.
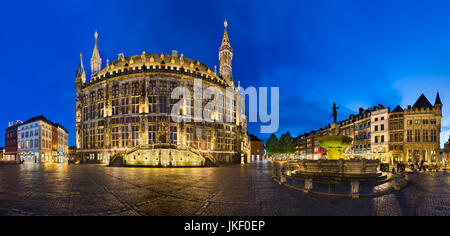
(357, 53)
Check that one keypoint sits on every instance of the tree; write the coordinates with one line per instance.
(272, 144)
(286, 143)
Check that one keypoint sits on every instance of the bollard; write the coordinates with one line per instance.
(355, 189)
(308, 185)
(395, 183)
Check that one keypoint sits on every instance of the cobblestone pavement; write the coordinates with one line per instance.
(53, 189)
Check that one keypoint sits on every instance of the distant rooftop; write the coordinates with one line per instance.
(43, 118)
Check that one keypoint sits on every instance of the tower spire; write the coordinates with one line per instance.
(226, 39)
(226, 56)
(438, 99)
(81, 75)
(96, 60)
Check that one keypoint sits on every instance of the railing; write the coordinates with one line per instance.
(182, 71)
(170, 146)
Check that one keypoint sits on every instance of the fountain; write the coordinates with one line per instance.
(335, 173)
(335, 143)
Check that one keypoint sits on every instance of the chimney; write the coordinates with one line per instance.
(174, 53)
(361, 110)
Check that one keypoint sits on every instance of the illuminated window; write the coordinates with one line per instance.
(135, 105)
(151, 134)
(152, 104)
(134, 135)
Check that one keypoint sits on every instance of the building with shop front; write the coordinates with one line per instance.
(124, 112)
(379, 129)
(41, 140)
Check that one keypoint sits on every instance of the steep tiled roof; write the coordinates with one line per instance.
(397, 109)
(422, 102)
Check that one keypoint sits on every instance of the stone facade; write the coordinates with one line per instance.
(128, 106)
(422, 131)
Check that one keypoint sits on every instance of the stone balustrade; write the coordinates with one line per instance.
(357, 167)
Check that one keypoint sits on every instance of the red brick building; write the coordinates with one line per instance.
(256, 148)
(10, 152)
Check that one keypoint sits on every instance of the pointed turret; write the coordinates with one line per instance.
(438, 100)
(438, 104)
(225, 57)
(96, 60)
(81, 75)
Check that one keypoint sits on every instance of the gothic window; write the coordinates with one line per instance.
(162, 104)
(100, 95)
(134, 135)
(135, 89)
(125, 90)
(173, 134)
(425, 135)
(115, 106)
(417, 136)
(409, 136)
(135, 105)
(115, 136)
(100, 135)
(152, 104)
(115, 91)
(92, 138)
(101, 109)
(151, 134)
(92, 111)
(124, 107)
(125, 135)
(433, 135)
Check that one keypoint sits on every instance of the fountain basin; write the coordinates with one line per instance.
(335, 145)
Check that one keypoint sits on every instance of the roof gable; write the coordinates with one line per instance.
(397, 109)
(422, 102)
